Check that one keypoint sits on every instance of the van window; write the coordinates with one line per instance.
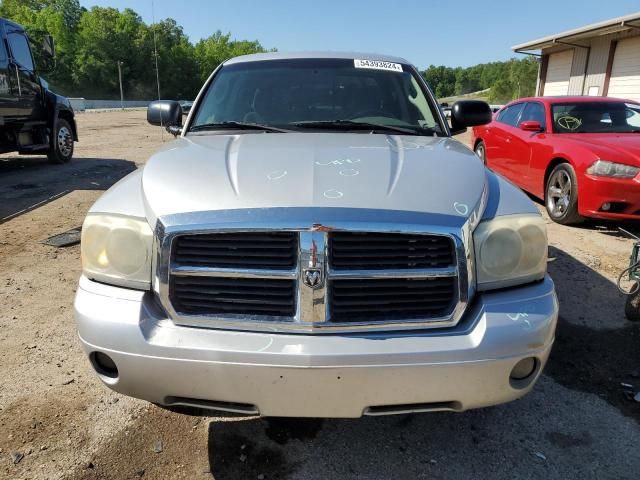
(20, 49)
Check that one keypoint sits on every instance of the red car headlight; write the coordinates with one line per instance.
(603, 168)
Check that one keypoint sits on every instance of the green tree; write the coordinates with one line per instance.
(523, 75)
(177, 64)
(213, 50)
(441, 79)
(107, 36)
(507, 80)
(467, 81)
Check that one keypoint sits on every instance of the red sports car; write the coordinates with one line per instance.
(580, 154)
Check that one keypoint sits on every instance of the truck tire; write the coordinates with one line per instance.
(632, 307)
(61, 149)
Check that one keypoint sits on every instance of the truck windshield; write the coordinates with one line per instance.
(596, 117)
(318, 94)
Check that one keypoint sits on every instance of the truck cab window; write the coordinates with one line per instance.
(21, 51)
(3, 54)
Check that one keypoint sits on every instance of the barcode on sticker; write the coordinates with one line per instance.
(377, 65)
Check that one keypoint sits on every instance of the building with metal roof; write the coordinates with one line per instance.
(602, 59)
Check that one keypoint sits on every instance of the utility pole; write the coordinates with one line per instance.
(155, 47)
(120, 78)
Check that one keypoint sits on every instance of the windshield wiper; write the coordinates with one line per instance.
(233, 125)
(353, 125)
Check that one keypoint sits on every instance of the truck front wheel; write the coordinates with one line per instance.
(61, 149)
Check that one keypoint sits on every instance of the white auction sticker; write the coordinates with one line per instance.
(377, 65)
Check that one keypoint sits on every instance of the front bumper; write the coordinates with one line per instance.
(624, 194)
(347, 375)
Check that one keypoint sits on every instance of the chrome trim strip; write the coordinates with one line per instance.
(312, 312)
(407, 273)
(312, 302)
(188, 271)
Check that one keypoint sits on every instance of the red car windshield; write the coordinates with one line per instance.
(596, 117)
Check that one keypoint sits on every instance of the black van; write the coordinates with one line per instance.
(33, 119)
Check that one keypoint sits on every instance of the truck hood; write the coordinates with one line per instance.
(266, 170)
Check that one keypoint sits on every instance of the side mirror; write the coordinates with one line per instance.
(530, 126)
(469, 113)
(165, 113)
(48, 46)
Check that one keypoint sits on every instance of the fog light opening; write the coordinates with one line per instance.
(104, 365)
(524, 369)
(614, 207)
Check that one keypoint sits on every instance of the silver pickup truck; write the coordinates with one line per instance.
(315, 244)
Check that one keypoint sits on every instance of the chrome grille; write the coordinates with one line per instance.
(236, 273)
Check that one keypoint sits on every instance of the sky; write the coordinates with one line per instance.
(438, 32)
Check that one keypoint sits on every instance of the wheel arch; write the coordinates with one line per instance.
(60, 107)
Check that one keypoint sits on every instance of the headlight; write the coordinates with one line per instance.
(117, 250)
(602, 168)
(510, 250)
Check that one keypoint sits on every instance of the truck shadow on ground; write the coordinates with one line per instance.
(595, 350)
(27, 183)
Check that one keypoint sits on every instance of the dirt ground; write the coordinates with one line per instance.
(57, 421)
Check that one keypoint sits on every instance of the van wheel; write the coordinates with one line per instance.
(481, 151)
(561, 195)
(62, 143)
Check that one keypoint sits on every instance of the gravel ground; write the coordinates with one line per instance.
(57, 421)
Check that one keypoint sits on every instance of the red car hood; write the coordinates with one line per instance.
(620, 147)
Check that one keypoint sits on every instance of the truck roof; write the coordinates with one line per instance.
(13, 24)
(258, 57)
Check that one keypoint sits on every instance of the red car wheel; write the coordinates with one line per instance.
(561, 195)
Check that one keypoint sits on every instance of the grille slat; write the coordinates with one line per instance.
(231, 282)
(276, 250)
(393, 293)
(196, 252)
(357, 250)
(222, 291)
(396, 252)
(238, 298)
